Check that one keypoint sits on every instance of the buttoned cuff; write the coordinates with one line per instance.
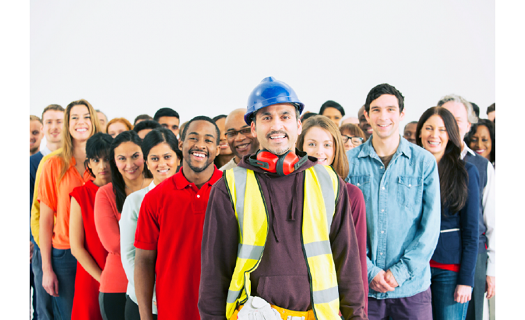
(400, 272)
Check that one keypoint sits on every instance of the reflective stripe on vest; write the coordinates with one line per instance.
(321, 187)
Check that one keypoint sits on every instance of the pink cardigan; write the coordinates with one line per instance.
(113, 278)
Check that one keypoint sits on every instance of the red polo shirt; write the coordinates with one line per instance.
(171, 220)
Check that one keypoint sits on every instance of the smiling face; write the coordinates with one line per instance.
(333, 114)
(459, 111)
(384, 116)
(319, 143)
(199, 147)
(434, 136)
(129, 160)
(79, 123)
(239, 135)
(277, 128)
(481, 143)
(162, 161)
(53, 125)
(115, 128)
(35, 136)
(223, 144)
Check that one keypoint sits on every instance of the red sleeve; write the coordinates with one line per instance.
(106, 220)
(147, 233)
(358, 207)
(47, 186)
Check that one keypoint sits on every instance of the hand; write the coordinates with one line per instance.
(390, 279)
(462, 293)
(379, 284)
(50, 283)
(491, 287)
(31, 246)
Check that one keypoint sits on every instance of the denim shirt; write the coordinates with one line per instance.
(403, 212)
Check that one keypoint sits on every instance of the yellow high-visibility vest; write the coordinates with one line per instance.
(321, 188)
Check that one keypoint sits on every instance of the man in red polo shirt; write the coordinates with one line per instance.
(169, 228)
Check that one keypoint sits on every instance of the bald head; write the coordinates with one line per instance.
(239, 135)
(353, 120)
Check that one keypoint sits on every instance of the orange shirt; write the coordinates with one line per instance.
(56, 196)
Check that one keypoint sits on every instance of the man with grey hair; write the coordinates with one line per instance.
(485, 275)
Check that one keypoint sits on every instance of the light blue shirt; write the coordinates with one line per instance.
(403, 213)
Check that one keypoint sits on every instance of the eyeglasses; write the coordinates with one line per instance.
(232, 133)
(356, 141)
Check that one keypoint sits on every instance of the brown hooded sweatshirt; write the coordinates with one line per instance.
(281, 277)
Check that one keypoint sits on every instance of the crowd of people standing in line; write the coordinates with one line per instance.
(159, 219)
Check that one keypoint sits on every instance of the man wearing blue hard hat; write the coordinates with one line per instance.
(279, 240)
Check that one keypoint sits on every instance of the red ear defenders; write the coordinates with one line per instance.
(282, 165)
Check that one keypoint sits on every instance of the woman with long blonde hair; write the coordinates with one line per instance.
(321, 138)
(60, 175)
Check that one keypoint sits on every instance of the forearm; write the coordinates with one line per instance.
(46, 232)
(87, 262)
(345, 252)
(144, 282)
(128, 227)
(489, 212)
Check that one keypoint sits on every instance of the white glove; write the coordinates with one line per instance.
(258, 309)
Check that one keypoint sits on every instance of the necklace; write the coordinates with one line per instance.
(140, 185)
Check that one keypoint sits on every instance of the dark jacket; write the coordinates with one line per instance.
(281, 277)
(461, 247)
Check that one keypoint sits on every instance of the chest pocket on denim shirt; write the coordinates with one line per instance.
(409, 190)
(363, 182)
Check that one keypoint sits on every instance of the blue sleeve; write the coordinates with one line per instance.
(469, 216)
(418, 253)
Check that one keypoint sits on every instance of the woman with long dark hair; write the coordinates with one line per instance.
(454, 260)
(321, 138)
(161, 152)
(85, 243)
(60, 175)
(128, 175)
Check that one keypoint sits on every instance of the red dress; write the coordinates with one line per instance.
(85, 302)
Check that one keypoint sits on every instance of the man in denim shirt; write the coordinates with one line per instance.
(400, 183)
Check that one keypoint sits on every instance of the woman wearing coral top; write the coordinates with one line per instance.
(85, 244)
(127, 176)
(60, 175)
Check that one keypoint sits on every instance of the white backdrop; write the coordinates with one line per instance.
(205, 57)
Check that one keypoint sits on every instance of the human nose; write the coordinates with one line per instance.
(276, 124)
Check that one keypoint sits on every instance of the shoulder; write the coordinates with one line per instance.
(106, 191)
(353, 191)
(137, 196)
(34, 160)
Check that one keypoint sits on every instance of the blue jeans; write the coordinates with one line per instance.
(45, 306)
(443, 305)
(65, 268)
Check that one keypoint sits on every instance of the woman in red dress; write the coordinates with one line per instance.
(85, 244)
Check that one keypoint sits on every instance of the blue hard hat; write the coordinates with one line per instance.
(268, 92)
